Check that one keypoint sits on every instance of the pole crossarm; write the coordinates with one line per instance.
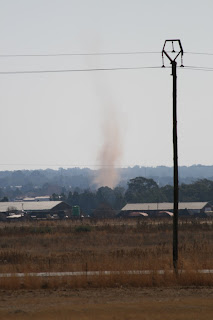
(175, 54)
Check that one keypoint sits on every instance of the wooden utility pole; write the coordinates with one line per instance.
(172, 58)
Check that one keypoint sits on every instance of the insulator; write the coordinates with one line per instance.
(173, 50)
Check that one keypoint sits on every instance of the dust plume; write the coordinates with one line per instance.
(111, 150)
(110, 153)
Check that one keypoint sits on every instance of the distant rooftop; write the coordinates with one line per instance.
(39, 198)
(31, 205)
(163, 206)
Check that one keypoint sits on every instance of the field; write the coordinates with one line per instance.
(106, 245)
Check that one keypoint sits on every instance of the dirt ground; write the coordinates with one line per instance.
(118, 303)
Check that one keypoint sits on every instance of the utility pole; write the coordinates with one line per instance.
(172, 58)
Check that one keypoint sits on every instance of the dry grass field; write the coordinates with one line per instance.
(117, 245)
(99, 245)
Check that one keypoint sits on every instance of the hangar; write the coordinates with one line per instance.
(155, 209)
(34, 209)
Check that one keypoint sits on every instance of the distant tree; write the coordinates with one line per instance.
(4, 199)
(18, 178)
(168, 193)
(201, 190)
(54, 197)
(119, 193)
(69, 198)
(62, 197)
(49, 188)
(105, 195)
(141, 190)
(1, 193)
(75, 199)
(88, 201)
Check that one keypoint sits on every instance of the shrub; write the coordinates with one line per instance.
(83, 229)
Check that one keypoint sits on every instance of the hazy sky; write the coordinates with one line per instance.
(61, 119)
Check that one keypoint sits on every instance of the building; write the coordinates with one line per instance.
(40, 198)
(36, 209)
(156, 209)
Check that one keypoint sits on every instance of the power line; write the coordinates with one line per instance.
(61, 54)
(95, 54)
(77, 70)
(79, 54)
(200, 53)
(67, 165)
(197, 68)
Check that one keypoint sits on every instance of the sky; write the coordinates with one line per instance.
(120, 117)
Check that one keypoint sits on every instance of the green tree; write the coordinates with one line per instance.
(168, 193)
(4, 199)
(105, 195)
(62, 197)
(75, 199)
(201, 190)
(142, 190)
(88, 201)
(119, 193)
(54, 197)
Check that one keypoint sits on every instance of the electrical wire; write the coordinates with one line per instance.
(66, 165)
(77, 70)
(95, 54)
(199, 53)
(198, 68)
(79, 54)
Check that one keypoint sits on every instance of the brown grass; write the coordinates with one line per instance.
(93, 245)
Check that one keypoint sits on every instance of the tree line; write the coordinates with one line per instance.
(139, 190)
(83, 178)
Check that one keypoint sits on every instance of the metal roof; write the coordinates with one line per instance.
(138, 214)
(164, 206)
(168, 213)
(40, 198)
(29, 199)
(31, 205)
